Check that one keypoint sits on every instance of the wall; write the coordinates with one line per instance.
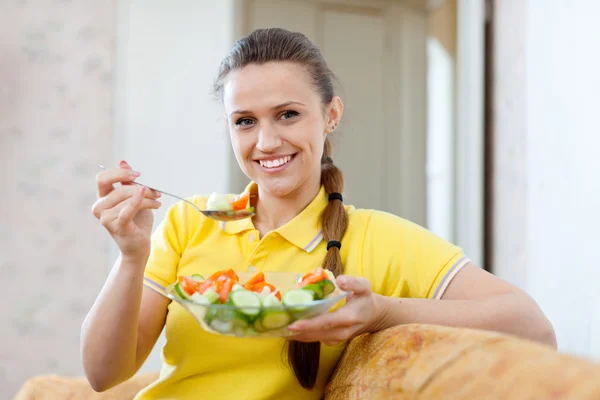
(168, 124)
(87, 83)
(56, 125)
(548, 163)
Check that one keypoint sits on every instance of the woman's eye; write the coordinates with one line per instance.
(244, 122)
(289, 114)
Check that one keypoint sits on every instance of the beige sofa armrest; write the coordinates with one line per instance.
(53, 387)
(432, 362)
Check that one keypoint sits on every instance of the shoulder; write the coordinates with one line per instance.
(379, 232)
(399, 257)
(183, 212)
(374, 223)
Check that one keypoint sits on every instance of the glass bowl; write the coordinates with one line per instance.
(263, 321)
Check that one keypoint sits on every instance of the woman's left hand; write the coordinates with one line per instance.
(360, 314)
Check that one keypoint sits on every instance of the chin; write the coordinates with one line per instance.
(278, 186)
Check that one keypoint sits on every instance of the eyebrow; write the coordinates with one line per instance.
(286, 104)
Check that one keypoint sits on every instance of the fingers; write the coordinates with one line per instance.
(117, 218)
(106, 179)
(329, 338)
(358, 286)
(342, 318)
(132, 206)
(123, 164)
(119, 195)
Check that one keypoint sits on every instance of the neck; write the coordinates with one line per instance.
(273, 212)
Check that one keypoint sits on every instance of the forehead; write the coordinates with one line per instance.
(255, 87)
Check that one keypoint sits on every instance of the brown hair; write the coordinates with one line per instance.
(275, 44)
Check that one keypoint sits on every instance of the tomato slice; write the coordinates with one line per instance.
(259, 277)
(230, 273)
(188, 285)
(259, 286)
(218, 279)
(225, 289)
(240, 202)
(317, 275)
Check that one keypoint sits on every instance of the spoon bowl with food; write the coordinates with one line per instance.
(219, 206)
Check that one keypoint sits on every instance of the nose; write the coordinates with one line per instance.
(269, 139)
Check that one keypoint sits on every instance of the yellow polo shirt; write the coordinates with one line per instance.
(399, 258)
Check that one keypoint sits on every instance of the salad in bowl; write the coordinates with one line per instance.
(256, 304)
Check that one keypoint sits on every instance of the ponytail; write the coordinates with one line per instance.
(304, 357)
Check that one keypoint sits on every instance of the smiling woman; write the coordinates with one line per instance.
(278, 96)
(278, 124)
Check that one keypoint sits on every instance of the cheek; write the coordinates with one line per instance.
(242, 145)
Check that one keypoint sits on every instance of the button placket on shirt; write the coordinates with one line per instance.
(257, 254)
(253, 244)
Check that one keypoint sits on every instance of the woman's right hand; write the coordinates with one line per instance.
(126, 211)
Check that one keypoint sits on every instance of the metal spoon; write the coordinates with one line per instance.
(214, 214)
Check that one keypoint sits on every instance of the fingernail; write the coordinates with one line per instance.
(135, 173)
(123, 163)
(294, 327)
(342, 280)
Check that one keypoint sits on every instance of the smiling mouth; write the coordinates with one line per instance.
(277, 162)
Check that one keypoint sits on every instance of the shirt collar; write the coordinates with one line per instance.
(303, 231)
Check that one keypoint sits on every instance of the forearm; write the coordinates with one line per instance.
(110, 330)
(508, 313)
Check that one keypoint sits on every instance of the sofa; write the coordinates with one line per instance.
(410, 362)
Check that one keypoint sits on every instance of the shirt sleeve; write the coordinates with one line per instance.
(403, 259)
(167, 245)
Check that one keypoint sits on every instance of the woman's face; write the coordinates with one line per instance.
(278, 125)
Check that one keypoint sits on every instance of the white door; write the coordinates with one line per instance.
(378, 51)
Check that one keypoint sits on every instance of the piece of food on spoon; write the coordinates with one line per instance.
(223, 202)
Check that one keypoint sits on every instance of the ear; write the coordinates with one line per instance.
(334, 114)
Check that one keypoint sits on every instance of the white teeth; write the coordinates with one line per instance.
(275, 163)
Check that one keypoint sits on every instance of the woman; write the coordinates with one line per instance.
(280, 105)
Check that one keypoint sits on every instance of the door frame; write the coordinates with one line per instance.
(470, 129)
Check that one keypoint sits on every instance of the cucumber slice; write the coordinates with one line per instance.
(198, 278)
(211, 295)
(200, 299)
(249, 303)
(330, 275)
(328, 287)
(237, 286)
(218, 202)
(316, 289)
(275, 319)
(271, 301)
(221, 326)
(180, 292)
(258, 327)
(297, 298)
(239, 325)
(211, 314)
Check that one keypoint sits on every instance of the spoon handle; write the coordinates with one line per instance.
(163, 192)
